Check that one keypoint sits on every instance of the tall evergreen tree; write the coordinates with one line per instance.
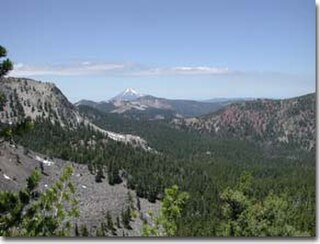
(5, 64)
(46, 214)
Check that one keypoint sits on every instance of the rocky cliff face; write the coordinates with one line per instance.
(30, 98)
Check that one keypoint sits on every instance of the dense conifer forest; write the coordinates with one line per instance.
(207, 169)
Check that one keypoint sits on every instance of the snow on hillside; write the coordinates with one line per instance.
(128, 95)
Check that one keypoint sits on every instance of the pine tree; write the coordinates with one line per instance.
(84, 230)
(171, 210)
(118, 222)
(99, 175)
(110, 224)
(76, 231)
(6, 65)
(100, 231)
(29, 213)
(138, 204)
(244, 216)
(126, 218)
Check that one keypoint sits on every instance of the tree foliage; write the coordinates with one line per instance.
(5, 64)
(24, 124)
(171, 211)
(10, 130)
(245, 216)
(31, 213)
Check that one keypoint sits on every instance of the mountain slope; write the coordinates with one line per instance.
(289, 121)
(151, 107)
(96, 199)
(34, 99)
(39, 100)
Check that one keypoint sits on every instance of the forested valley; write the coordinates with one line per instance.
(201, 166)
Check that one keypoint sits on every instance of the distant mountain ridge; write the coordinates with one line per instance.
(230, 99)
(272, 121)
(133, 103)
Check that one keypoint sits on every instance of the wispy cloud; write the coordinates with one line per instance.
(201, 70)
(84, 68)
(125, 69)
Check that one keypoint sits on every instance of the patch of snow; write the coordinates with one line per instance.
(116, 136)
(78, 119)
(47, 162)
(139, 108)
(128, 95)
(283, 139)
(84, 187)
(126, 138)
(158, 116)
(130, 90)
(45, 185)
(6, 177)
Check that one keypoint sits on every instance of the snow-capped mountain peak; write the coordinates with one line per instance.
(130, 91)
(127, 95)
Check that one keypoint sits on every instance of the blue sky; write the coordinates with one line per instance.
(195, 49)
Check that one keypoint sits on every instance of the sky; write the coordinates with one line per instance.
(195, 49)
